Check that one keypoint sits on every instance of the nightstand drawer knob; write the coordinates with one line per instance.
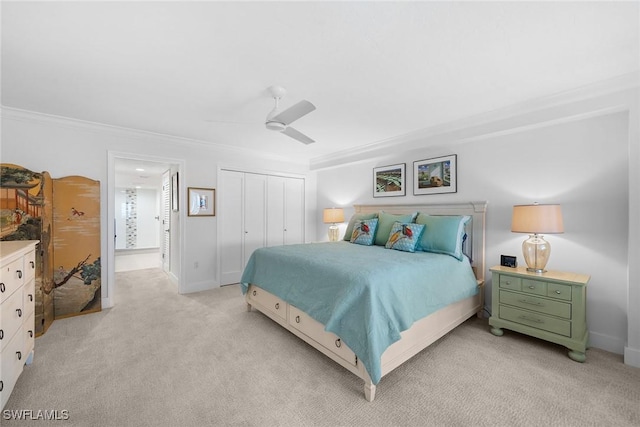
(531, 319)
(538, 303)
(558, 292)
(531, 287)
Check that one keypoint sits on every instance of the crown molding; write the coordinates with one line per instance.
(531, 114)
(124, 132)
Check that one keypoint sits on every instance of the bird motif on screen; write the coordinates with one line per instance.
(360, 230)
(403, 233)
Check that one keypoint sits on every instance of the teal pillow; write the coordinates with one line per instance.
(354, 218)
(364, 231)
(386, 221)
(405, 237)
(443, 234)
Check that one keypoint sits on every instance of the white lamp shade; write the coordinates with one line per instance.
(333, 215)
(537, 219)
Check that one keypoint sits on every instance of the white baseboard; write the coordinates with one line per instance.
(632, 357)
(606, 342)
(205, 285)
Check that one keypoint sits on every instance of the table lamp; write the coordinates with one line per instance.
(534, 220)
(332, 216)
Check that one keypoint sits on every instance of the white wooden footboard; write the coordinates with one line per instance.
(422, 334)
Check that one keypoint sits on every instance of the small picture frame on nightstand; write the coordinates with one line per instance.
(508, 261)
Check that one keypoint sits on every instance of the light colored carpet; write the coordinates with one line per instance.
(162, 359)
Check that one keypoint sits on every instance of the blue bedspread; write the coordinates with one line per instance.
(366, 295)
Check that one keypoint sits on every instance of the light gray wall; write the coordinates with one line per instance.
(580, 164)
(67, 147)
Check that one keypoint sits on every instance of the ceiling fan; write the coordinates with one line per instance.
(280, 120)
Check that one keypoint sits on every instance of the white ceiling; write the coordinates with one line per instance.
(374, 70)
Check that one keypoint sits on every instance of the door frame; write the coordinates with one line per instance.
(108, 300)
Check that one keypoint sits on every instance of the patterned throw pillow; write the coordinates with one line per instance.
(404, 236)
(364, 231)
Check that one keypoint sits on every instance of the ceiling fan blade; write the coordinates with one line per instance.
(294, 112)
(291, 132)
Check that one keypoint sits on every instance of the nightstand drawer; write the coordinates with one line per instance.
(555, 290)
(510, 282)
(541, 305)
(535, 320)
(534, 287)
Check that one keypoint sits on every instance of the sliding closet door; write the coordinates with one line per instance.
(255, 213)
(285, 211)
(294, 211)
(231, 230)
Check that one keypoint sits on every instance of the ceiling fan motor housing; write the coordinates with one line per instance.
(277, 126)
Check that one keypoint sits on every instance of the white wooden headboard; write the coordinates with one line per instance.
(474, 246)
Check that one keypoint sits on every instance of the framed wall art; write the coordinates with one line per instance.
(174, 192)
(202, 201)
(435, 176)
(389, 180)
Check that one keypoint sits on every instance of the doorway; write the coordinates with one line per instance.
(144, 230)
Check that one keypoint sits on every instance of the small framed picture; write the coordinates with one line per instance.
(389, 180)
(435, 176)
(174, 192)
(202, 202)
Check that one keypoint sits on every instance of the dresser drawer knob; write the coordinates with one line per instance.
(19, 354)
(2, 287)
(558, 292)
(1, 334)
(19, 274)
(1, 385)
(297, 319)
(19, 311)
(33, 264)
(338, 343)
(277, 306)
(255, 293)
(30, 334)
(30, 297)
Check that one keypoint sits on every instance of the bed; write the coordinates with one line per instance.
(367, 306)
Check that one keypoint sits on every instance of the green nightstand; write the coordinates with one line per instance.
(550, 306)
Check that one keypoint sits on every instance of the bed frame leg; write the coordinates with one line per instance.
(369, 390)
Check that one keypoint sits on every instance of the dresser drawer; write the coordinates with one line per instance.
(29, 297)
(29, 334)
(11, 278)
(535, 287)
(268, 301)
(12, 318)
(510, 282)
(558, 291)
(29, 267)
(315, 330)
(536, 320)
(541, 305)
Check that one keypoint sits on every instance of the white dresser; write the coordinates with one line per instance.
(17, 308)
